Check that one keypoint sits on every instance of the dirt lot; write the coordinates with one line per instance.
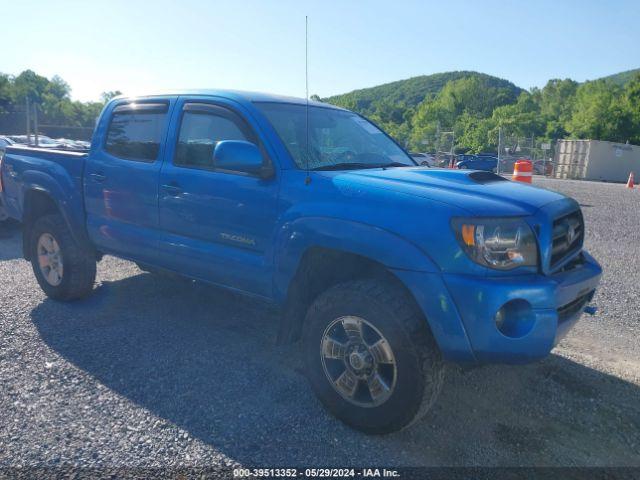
(151, 371)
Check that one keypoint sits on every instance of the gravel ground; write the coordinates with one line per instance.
(158, 372)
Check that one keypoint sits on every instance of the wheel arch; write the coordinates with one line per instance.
(334, 250)
(37, 202)
(319, 269)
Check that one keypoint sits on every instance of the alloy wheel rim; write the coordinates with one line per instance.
(50, 259)
(358, 361)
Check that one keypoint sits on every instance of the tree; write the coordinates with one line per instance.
(5, 92)
(632, 106)
(29, 85)
(556, 102)
(52, 97)
(600, 113)
(106, 96)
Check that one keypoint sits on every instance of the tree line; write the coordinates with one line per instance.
(475, 106)
(52, 97)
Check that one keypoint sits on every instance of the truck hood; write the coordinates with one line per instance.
(480, 193)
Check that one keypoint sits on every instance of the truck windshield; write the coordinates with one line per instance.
(338, 139)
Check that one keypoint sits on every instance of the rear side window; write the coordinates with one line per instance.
(202, 127)
(135, 131)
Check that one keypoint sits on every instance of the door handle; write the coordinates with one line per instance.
(172, 189)
(98, 177)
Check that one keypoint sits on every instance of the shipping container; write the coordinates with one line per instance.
(596, 160)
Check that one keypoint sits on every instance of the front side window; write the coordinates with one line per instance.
(136, 131)
(337, 139)
(202, 127)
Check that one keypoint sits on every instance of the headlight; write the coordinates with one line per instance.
(500, 243)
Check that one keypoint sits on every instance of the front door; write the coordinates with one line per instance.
(216, 225)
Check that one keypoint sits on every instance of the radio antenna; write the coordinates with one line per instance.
(307, 179)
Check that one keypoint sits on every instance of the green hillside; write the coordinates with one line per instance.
(622, 78)
(412, 91)
(475, 106)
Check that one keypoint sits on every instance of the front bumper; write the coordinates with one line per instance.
(461, 311)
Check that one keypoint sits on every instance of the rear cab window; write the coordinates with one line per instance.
(135, 131)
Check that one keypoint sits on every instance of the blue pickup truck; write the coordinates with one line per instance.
(383, 269)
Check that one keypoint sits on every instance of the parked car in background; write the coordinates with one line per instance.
(543, 167)
(507, 163)
(383, 269)
(19, 139)
(478, 162)
(5, 142)
(423, 159)
(443, 160)
(45, 141)
(68, 144)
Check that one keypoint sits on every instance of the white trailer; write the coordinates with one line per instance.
(596, 160)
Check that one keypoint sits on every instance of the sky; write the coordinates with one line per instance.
(148, 46)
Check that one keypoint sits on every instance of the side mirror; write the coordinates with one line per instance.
(240, 156)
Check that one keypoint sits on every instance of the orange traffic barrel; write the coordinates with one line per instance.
(522, 171)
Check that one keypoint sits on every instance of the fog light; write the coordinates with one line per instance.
(515, 318)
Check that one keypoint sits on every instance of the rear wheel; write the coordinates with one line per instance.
(370, 357)
(64, 270)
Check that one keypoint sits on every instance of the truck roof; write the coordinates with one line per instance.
(238, 95)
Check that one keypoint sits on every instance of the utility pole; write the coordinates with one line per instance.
(499, 146)
(533, 146)
(28, 111)
(453, 148)
(35, 122)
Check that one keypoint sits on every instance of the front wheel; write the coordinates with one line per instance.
(370, 356)
(64, 270)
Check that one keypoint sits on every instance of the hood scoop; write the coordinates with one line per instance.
(483, 177)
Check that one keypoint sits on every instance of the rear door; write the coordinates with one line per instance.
(121, 178)
(216, 224)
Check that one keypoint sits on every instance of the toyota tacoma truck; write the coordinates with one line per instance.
(384, 270)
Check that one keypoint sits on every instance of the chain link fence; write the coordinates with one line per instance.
(441, 146)
(512, 148)
(14, 123)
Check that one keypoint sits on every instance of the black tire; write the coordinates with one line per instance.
(79, 272)
(419, 368)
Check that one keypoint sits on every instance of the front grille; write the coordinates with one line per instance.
(570, 309)
(566, 237)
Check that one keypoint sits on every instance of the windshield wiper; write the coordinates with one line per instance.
(360, 165)
(347, 166)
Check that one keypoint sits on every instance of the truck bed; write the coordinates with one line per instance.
(47, 169)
